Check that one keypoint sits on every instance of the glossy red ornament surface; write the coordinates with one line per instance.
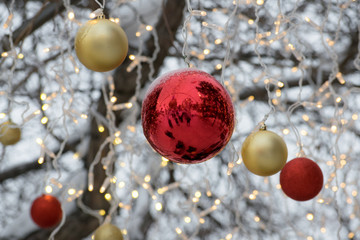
(301, 179)
(187, 116)
(46, 211)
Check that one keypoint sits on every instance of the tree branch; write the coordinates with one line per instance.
(47, 12)
(19, 170)
(78, 225)
(125, 85)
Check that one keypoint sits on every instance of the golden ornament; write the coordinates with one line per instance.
(264, 153)
(101, 45)
(107, 232)
(10, 133)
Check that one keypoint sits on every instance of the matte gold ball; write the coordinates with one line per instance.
(10, 133)
(107, 232)
(264, 153)
(101, 45)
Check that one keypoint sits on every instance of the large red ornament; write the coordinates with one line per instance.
(46, 211)
(187, 116)
(301, 179)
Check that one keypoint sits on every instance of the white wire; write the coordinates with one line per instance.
(184, 33)
(228, 45)
(101, 5)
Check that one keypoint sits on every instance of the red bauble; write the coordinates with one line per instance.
(301, 179)
(46, 211)
(187, 116)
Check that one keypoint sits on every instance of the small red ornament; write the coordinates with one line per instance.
(46, 211)
(187, 116)
(301, 179)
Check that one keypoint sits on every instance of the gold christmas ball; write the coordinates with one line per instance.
(108, 232)
(10, 133)
(101, 45)
(264, 153)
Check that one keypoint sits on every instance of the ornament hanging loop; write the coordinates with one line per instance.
(98, 13)
(186, 59)
(262, 127)
(301, 153)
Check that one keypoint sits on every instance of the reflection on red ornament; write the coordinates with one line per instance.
(187, 116)
(46, 211)
(301, 179)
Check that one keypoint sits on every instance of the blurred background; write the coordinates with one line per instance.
(292, 63)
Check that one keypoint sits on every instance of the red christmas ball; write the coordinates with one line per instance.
(301, 179)
(46, 211)
(187, 116)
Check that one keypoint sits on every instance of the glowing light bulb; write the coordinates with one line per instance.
(135, 194)
(117, 141)
(71, 15)
(45, 107)
(71, 191)
(158, 206)
(48, 189)
(198, 194)
(147, 178)
(286, 131)
(218, 41)
(101, 128)
(206, 51)
(252, 197)
(40, 160)
(43, 96)
(229, 236)
(107, 196)
(44, 120)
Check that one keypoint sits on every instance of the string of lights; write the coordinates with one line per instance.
(282, 65)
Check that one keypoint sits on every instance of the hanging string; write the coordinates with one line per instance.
(62, 222)
(182, 183)
(12, 53)
(228, 45)
(265, 68)
(101, 5)
(184, 31)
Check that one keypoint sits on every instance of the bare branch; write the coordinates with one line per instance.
(47, 12)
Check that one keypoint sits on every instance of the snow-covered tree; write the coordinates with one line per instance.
(293, 65)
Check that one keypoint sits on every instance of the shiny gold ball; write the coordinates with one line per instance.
(10, 133)
(264, 153)
(108, 232)
(101, 45)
